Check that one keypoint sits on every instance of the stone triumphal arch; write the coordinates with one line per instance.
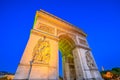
(40, 58)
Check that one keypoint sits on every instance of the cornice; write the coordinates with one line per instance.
(70, 26)
(41, 33)
(79, 46)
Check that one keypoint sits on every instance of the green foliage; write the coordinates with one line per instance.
(114, 71)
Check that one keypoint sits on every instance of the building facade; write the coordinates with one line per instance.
(40, 57)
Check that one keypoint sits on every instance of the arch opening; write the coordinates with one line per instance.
(66, 45)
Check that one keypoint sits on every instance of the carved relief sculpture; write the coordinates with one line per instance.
(81, 41)
(90, 61)
(41, 52)
(39, 64)
(46, 28)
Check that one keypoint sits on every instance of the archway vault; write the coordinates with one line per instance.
(40, 57)
(66, 45)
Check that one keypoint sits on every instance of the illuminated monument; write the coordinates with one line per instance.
(40, 58)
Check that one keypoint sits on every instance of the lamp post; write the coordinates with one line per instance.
(33, 58)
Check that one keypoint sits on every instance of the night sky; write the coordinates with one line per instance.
(100, 19)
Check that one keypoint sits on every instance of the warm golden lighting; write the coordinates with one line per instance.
(108, 75)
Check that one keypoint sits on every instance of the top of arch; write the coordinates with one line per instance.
(58, 21)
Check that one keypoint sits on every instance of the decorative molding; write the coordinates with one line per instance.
(78, 46)
(40, 33)
(59, 32)
(46, 28)
(81, 36)
(91, 69)
(83, 42)
(52, 18)
(37, 65)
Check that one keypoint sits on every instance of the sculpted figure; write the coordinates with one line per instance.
(41, 52)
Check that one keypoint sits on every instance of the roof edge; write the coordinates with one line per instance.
(73, 26)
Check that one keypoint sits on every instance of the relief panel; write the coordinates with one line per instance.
(41, 52)
(90, 61)
(83, 42)
(46, 28)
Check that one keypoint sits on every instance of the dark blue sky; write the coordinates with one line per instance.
(100, 19)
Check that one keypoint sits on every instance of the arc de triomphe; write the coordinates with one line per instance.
(40, 58)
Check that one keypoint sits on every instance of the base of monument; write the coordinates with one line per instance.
(92, 79)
